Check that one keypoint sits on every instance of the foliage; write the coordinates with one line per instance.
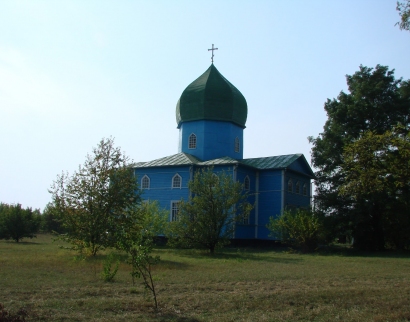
(376, 102)
(17, 223)
(299, 227)
(404, 11)
(208, 218)
(137, 242)
(50, 221)
(141, 261)
(377, 166)
(108, 272)
(98, 200)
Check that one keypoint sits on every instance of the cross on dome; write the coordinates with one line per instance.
(212, 49)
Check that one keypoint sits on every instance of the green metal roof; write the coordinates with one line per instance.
(212, 97)
(279, 161)
(172, 160)
(266, 163)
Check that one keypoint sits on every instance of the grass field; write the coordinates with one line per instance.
(234, 285)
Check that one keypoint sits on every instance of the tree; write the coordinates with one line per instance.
(299, 227)
(138, 242)
(98, 200)
(17, 223)
(377, 167)
(377, 102)
(208, 218)
(404, 11)
(50, 222)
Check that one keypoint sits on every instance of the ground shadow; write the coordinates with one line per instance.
(236, 254)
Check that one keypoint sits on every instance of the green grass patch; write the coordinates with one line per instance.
(51, 284)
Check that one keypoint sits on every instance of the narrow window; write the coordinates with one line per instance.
(247, 183)
(145, 182)
(176, 181)
(192, 141)
(246, 220)
(290, 185)
(174, 210)
(237, 145)
(304, 189)
(297, 187)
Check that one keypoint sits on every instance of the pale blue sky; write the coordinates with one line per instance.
(73, 72)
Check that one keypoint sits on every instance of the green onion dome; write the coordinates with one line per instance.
(212, 97)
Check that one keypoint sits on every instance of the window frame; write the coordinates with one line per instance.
(176, 176)
(237, 145)
(297, 187)
(192, 141)
(174, 210)
(290, 185)
(304, 189)
(247, 183)
(143, 180)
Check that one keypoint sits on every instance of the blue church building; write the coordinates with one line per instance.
(211, 116)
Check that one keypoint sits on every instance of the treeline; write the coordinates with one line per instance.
(17, 222)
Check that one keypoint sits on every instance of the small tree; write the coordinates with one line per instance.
(208, 218)
(98, 200)
(138, 241)
(17, 223)
(300, 227)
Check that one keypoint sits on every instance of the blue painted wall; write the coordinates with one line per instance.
(161, 184)
(266, 192)
(294, 199)
(214, 139)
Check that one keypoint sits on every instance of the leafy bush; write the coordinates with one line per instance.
(301, 227)
(108, 273)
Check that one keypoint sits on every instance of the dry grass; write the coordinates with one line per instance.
(192, 286)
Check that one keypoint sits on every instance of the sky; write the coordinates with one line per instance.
(74, 72)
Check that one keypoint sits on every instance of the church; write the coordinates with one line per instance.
(211, 115)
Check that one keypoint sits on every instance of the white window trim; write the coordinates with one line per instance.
(171, 212)
(237, 145)
(249, 183)
(304, 189)
(296, 187)
(192, 135)
(180, 181)
(149, 182)
(290, 181)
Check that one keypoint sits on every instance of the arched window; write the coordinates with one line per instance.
(174, 210)
(237, 145)
(290, 185)
(176, 181)
(145, 182)
(192, 141)
(247, 183)
(246, 220)
(297, 187)
(304, 189)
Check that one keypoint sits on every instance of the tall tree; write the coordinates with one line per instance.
(376, 102)
(98, 200)
(208, 218)
(377, 167)
(404, 11)
(17, 223)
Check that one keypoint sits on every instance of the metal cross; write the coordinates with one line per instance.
(212, 57)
